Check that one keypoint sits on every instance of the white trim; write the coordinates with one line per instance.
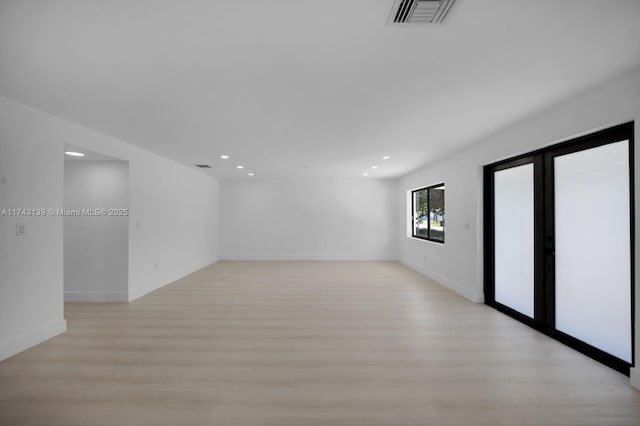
(18, 344)
(384, 257)
(95, 296)
(144, 291)
(634, 377)
(440, 243)
(473, 296)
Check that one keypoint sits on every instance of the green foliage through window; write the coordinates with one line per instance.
(428, 213)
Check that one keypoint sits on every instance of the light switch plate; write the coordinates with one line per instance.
(21, 231)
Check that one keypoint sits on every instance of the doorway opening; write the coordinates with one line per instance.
(96, 227)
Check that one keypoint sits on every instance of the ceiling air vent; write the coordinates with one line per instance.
(203, 166)
(419, 12)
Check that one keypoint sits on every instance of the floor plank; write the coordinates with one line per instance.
(306, 343)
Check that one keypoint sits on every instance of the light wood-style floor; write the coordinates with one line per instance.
(306, 343)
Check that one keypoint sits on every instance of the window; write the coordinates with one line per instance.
(428, 213)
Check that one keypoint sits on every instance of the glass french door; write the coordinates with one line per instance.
(559, 243)
(514, 234)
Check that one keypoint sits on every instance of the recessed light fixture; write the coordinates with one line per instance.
(224, 157)
(74, 154)
(365, 174)
(239, 167)
(374, 167)
(386, 157)
(250, 174)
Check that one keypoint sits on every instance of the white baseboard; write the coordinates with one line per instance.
(16, 345)
(634, 377)
(473, 296)
(95, 296)
(138, 293)
(384, 257)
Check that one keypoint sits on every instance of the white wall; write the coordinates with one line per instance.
(308, 219)
(458, 263)
(174, 225)
(96, 248)
(30, 266)
(176, 208)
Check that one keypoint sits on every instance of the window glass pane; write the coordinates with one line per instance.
(420, 214)
(593, 278)
(428, 213)
(436, 213)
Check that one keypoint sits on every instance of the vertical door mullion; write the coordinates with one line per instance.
(547, 253)
(539, 240)
(632, 227)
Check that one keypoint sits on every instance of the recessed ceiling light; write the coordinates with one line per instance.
(250, 174)
(239, 167)
(386, 157)
(374, 167)
(365, 174)
(224, 157)
(74, 154)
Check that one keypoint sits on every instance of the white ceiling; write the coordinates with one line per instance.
(91, 156)
(283, 84)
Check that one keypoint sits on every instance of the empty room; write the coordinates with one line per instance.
(327, 213)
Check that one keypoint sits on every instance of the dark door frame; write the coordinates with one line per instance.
(544, 249)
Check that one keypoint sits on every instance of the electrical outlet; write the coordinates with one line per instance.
(21, 231)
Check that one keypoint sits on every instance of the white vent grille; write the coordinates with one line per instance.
(419, 12)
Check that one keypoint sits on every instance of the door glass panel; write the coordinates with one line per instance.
(514, 227)
(592, 260)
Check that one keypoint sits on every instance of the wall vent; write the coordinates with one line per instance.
(419, 12)
(203, 166)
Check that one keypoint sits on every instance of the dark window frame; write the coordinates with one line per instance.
(413, 213)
